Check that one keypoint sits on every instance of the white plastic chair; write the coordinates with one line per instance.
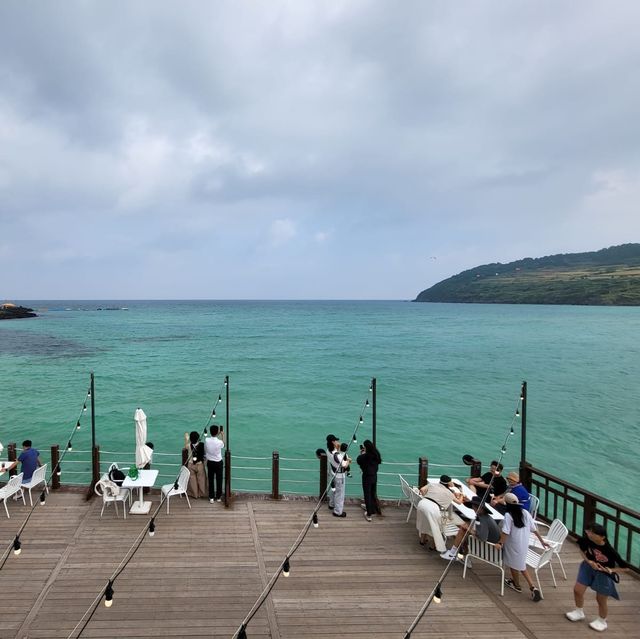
(13, 487)
(183, 481)
(534, 504)
(555, 537)
(410, 494)
(486, 552)
(537, 561)
(104, 488)
(37, 478)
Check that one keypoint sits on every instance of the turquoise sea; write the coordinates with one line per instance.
(448, 379)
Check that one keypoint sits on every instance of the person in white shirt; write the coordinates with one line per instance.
(213, 454)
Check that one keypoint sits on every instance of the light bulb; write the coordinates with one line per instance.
(286, 567)
(59, 471)
(366, 403)
(355, 441)
(43, 499)
(511, 432)
(78, 425)
(371, 388)
(315, 520)
(108, 595)
(219, 398)
(152, 529)
(517, 412)
(17, 546)
(437, 595)
(361, 420)
(69, 446)
(84, 408)
(213, 414)
(503, 450)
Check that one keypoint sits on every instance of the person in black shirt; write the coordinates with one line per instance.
(369, 460)
(599, 570)
(480, 484)
(195, 464)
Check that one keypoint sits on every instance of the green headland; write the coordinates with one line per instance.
(609, 277)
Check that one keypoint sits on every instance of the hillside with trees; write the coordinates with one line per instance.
(609, 277)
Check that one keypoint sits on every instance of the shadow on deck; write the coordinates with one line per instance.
(205, 567)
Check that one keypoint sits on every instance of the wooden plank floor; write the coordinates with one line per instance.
(205, 567)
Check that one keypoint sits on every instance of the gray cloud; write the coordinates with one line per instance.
(308, 149)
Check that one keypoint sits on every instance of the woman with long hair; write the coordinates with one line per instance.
(369, 460)
(514, 540)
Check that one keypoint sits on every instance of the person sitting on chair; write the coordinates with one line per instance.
(30, 460)
(479, 485)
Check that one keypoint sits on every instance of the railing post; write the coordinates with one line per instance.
(423, 471)
(323, 474)
(374, 411)
(589, 515)
(523, 424)
(95, 471)
(275, 475)
(11, 456)
(55, 458)
(476, 468)
(525, 475)
(227, 478)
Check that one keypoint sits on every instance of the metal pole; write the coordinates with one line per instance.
(226, 424)
(523, 430)
(373, 410)
(93, 417)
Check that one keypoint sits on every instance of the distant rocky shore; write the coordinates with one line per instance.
(11, 311)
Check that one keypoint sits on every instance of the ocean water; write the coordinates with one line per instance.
(448, 379)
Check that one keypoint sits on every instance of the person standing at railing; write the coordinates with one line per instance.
(337, 463)
(600, 571)
(369, 460)
(195, 464)
(213, 453)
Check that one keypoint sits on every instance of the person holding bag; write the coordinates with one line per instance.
(195, 464)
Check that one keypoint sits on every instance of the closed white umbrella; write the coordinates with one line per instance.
(143, 452)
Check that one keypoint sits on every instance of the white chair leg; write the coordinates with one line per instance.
(409, 515)
(5, 507)
(555, 585)
(30, 499)
(115, 505)
(104, 503)
(564, 574)
(167, 504)
(539, 586)
(501, 582)
(188, 502)
(124, 507)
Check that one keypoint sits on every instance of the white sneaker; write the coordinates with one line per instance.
(211, 501)
(363, 506)
(598, 624)
(219, 499)
(367, 516)
(575, 615)
(448, 555)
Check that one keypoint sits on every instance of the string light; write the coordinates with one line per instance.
(367, 403)
(78, 425)
(220, 397)
(503, 450)
(355, 441)
(58, 470)
(84, 408)
(361, 420)
(17, 546)
(517, 412)
(43, 498)
(69, 446)
(152, 528)
(286, 567)
(437, 595)
(511, 431)
(108, 594)
(213, 414)
(315, 520)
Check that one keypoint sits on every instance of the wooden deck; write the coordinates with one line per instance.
(205, 567)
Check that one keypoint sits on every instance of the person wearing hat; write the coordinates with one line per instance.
(441, 492)
(514, 541)
(484, 527)
(516, 488)
(337, 463)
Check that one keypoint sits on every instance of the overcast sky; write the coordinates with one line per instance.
(298, 149)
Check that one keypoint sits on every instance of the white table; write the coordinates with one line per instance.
(6, 466)
(146, 479)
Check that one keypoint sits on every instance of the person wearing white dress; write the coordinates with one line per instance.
(514, 540)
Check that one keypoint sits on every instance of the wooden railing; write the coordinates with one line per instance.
(577, 507)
